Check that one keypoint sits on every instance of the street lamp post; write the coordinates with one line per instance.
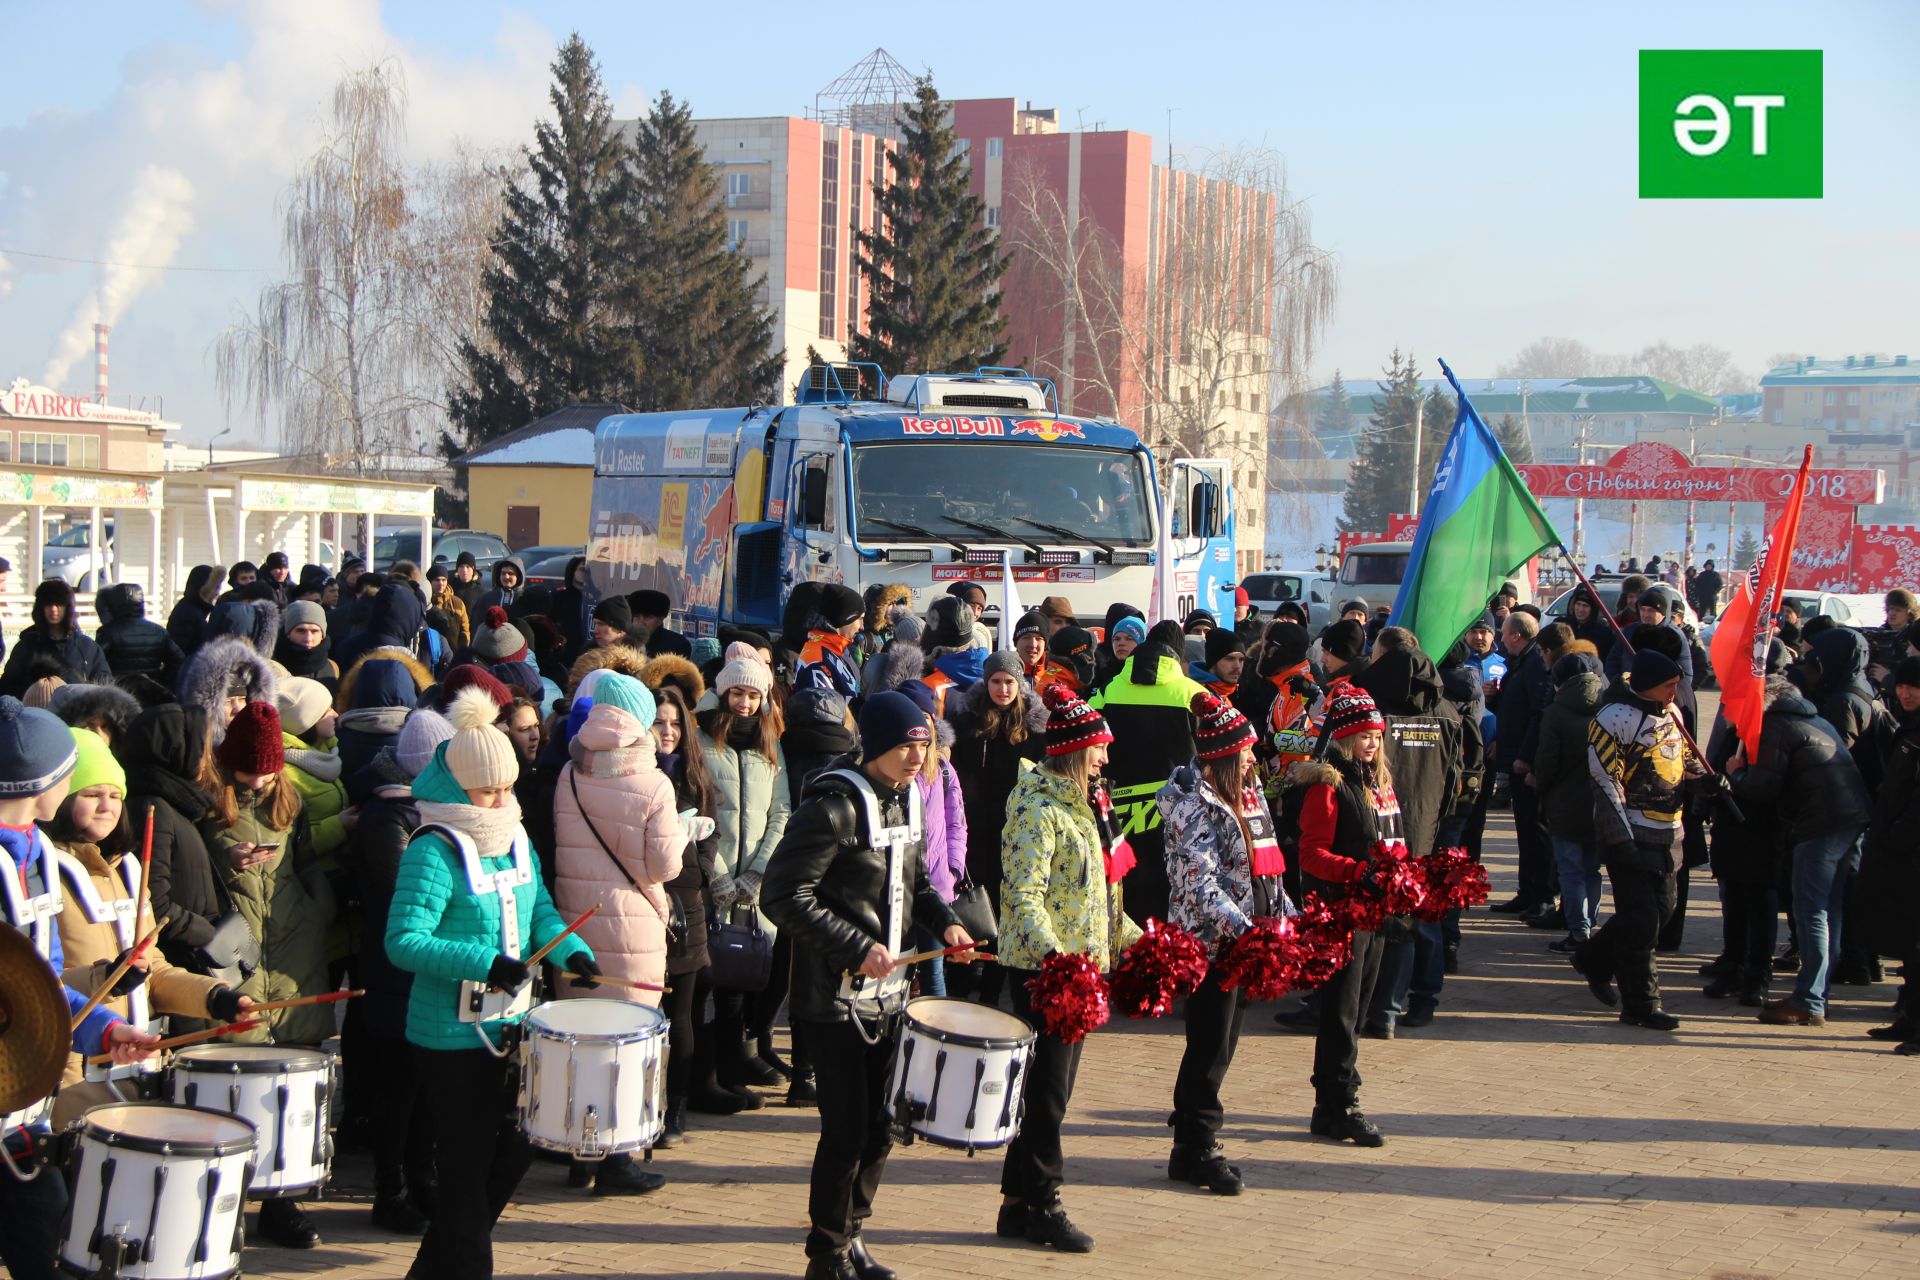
(225, 431)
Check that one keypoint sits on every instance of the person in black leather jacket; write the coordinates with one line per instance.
(133, 645)
(827, 886)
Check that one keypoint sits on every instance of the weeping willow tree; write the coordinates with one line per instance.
(347, 352)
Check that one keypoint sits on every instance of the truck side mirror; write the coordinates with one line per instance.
(813, 497)
(1205, 523)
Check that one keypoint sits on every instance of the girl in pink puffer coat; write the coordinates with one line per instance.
(615, 778)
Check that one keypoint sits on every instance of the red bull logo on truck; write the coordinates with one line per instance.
(1047, 429)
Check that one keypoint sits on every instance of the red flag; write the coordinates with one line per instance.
(1746, 626)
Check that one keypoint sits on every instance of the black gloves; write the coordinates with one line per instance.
(507, 974)
(583, 969)
(224, 1004)
(132, 978)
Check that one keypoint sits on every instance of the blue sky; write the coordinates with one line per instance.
(1473, 166)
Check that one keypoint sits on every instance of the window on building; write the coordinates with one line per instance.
(6, 446)
(1779, 418)
(1253, 401)
(1806, 397)
(994, 147)
(738, 184)
(829, 238)
(1186, 395)
(1853, 397)
(1829, 400)
(993, 215)
(1873, 425)
(963, 147)
(736, 232)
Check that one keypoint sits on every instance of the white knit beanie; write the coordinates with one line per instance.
(478, 754)
(424, 730)
(751, 672)
(302, 704)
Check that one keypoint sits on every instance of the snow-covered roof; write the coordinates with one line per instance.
(563, 438)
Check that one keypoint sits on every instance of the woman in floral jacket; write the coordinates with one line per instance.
(1223, 866)
(1060, 891)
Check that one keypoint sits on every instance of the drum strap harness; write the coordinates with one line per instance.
(889, 996)
(119, 912)
(35, 914)
(478, 1004)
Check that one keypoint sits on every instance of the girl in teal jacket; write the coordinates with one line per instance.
(445, 928)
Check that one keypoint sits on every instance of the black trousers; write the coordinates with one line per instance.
(851, 1078)
(1752, 914)
(1213, 1033)
(682, 1013)
(1343, 1001)
(1035, 1168)
(1673, 929)
(1623, 947)
(479, 1154)
(32, 1217)
(402, 1128)
(1539, 877)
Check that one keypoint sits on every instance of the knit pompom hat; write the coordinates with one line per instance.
(1072, 725)
(496, 638)
(253, 742)
(478, 754)
(744, 671)
(1223, 730)
(36, 749)
(628, 694)
(94, 763)
(1352, 711)
(741, 651)
(424, 730)
(302, 704)
(469, 676)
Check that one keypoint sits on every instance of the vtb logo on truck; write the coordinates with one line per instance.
(1730, 124)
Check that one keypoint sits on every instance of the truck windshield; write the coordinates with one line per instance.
(1099, 494)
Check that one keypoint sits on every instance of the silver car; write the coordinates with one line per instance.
(1311, 589)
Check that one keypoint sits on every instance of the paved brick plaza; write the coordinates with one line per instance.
(1529, 1134)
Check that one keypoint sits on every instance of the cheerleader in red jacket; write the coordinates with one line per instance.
(1349, 840)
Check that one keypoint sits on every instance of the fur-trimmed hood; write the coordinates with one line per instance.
(1305, 773)
(898, 665)
(624, 658)
(88, 704)
(671, 668)
(216, 664)
(883, 596)
(417, 670)
(967, 703)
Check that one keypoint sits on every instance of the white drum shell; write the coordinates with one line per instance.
(284, 1093)
(958, 1077)
(593, 1077)
(190, 1229)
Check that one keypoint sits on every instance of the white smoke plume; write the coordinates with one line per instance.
(159, 215)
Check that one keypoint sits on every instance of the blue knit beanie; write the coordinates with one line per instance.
(890, 720)
(1131, 627)
(628, 694)
(36, 749)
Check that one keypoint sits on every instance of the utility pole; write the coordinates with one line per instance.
(1413, 477)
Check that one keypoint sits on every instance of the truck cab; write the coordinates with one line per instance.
(925, 480)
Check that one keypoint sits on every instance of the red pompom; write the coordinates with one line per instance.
(1454, 881)
(497, 618)
(1058, 695)
(1167, 964)
(1326, 940)
(1267, 960)
(1070, 996)
(1408, 893)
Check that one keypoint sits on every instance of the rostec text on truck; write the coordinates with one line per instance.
(933, 480)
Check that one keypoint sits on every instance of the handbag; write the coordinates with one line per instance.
(676, 914)
(739, 956)
(974, 910)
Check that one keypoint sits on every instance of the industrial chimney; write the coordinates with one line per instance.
(100, 363)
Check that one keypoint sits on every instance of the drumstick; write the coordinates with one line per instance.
(604, 981)
(192, 1037)
(556, 940)
(916, 957)
(146, 870)
(119, 972)
(296, 1002)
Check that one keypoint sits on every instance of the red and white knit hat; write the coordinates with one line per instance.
(1353, 711)
(1223, 730)
(1072, 725)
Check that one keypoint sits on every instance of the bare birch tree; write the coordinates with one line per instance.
(349, 351)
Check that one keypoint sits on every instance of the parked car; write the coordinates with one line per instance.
(545, 551)
(1308, 588)
(1824, 604)
(404, 544)
(70, 556)
(551, 570)
(1558, 609)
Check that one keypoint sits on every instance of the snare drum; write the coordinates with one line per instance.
(283, 1092)
(157, 1193)
(958, 1078)
(593, 1077)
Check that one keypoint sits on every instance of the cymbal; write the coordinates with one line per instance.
(34, 1040)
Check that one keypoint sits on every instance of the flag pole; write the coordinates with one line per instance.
(1620, 637)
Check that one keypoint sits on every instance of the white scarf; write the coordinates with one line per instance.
(491, 830)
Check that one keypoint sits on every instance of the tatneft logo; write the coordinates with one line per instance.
(1730, 124)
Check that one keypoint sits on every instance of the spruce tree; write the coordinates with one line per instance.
(1435, 426)
(1377, 481)
(932, 265)
(553, 327)
(702, 339)
(1513, 439)
(1334, 423)
(1746, 551)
